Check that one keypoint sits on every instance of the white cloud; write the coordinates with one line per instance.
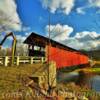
(80, 10)
(20, 38)
(59, 32)
(54, 5)
(84, 34)
(82, 40)
(27, 34)
(9, 19)
(95, 3)
(91, 3)
(85, 45)
(25, 28)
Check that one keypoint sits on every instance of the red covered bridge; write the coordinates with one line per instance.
(64, 56)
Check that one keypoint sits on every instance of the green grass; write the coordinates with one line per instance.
(96, 70)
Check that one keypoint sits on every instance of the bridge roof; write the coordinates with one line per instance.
(36, 39)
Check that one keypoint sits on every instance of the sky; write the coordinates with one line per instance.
(75, 23)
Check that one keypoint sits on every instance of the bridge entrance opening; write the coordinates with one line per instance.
(35, 50)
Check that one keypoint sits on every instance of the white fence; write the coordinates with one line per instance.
(5, 61)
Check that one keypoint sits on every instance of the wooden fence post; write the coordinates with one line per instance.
(6, 61)
(17, 61)
(45, 59)
(42, 59)
(31, 60)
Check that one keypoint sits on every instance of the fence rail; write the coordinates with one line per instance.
(6, 60)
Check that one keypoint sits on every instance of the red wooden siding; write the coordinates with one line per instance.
(66, 58)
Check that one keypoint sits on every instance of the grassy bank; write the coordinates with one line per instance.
(11, 78)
